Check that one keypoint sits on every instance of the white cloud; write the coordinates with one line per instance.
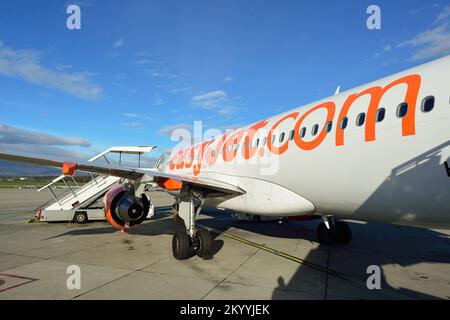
(217, 100)
(26, 65)
(143, 61)
(161, 73)
(445, 13)
(134, 124)
(210, 100)
(136, 116)
(168, 130)
(12, 135)
(431, 43)
(178, 90)
(227, 110)
(131, 115)
(118, 43)
(143, 54)
(157, 101)
(228, 79)
(44, 151)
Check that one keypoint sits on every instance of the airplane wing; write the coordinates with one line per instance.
(124, 172)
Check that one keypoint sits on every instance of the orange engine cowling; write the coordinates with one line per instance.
(123, 209)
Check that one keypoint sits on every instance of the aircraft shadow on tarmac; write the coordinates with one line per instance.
(372, 244)
(383, 245)
(157, 221)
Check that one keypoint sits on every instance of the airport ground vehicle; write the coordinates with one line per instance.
(84, 203)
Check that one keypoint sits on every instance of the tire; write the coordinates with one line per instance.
(205, 243)
(80, 217)
(256, 219)
(325, 236)
(344, 233)
(181, 245)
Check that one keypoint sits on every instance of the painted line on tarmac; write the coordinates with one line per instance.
(310, 264)
(5, 276)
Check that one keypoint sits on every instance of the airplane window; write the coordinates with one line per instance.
(257, 142)
(302, 132)
(360, 119)
(329, 126)
(344, 122)
(428, 104)
(402, 110)
(315, 129)
(291, 135)
(264, 141)
(281, 137)
(380, 114)
(273, 139)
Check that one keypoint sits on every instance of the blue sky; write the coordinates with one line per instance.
(136, 69)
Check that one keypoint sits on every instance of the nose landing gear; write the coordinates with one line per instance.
(331, 232)
(192, 241)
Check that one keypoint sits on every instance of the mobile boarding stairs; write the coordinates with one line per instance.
(84, 203)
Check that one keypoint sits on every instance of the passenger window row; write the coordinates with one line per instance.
(402, 111)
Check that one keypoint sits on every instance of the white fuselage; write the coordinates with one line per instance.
(388, 171)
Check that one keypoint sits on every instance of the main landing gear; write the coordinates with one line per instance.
(331, 232)
(192, 241)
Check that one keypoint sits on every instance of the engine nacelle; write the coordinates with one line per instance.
(123, 209)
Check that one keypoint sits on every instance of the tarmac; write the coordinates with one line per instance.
(266, 260)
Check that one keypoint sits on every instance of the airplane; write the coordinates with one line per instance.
(375, 153)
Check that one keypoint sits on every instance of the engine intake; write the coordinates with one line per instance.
(123, 208)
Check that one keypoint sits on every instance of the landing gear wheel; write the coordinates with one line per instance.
(344, 233)
(204, 243)
(325, 236)
(80, 217)
(181, 245)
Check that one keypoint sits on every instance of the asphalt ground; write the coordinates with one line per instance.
(266, 260)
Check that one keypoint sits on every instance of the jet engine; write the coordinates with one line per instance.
(123, 209)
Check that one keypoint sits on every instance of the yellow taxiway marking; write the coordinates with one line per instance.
(312, 265)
